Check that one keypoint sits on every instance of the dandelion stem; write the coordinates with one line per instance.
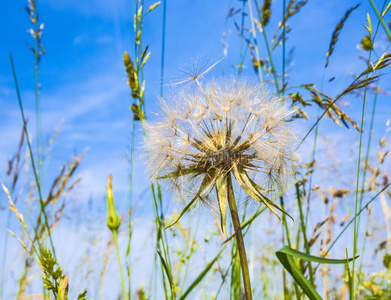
(115, 236)
(239, 239)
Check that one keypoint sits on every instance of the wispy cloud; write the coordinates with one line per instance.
(96, 116)
(101, 8)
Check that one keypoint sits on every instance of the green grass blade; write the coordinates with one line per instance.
(222, 197)
(286, 250)
(200, 276)
(41, 202)
(168, 273)
(208, 179)
(291, 267)
(380, 19)
(285, 256)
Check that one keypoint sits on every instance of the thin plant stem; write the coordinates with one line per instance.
(304, 230)
(351, 221)
(32, 158)
(365, 172)
(255, 42)
(5, 248)
(351, 291)
(163, 47)
(37, 102)
(184, 256)
(128, 250)
(380, 18)
(239, 239)
(161, 237)
(288, 238)
(269, 53)
(283, 44)
(357, 224)
(115, 236)
(242, 38)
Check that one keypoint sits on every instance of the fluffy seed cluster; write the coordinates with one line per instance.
(214, 129)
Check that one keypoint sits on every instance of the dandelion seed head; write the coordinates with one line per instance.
(218, 127)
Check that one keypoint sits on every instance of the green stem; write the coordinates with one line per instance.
(269, 53)
(239, 239)
(351, 221)
(163, 48)
(115, 236)
(256, 43)
(304, 230)
(128, 251)
(380, 18)
(3, 261)
(42, 204)
(356, 222)
(364, 178)
(242, 38)
(160, 244)
(37, 103)
(285, 226)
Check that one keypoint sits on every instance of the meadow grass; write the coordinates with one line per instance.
(247, 253)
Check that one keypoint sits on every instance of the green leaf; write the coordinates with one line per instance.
(144, 52)
(381, 18)
(62, 290)
(369, 28)
(249, 187)
(153, 6)
(285, 256)
(180, 173)
(206, 182)
(379, 61)
(166, 269)
(200, 277)
(145, 59)
(139, 13)
(386, 9)
(82, 296)
(142, 89)
(222, 196)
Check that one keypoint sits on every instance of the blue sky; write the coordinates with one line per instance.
(84, 81)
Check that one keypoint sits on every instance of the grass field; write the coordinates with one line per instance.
(204, 150)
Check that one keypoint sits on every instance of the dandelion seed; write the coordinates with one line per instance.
(212, 131)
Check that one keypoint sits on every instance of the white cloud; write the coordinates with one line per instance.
(101, 8)
(96, 115)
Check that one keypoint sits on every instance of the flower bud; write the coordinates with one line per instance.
(113, 220)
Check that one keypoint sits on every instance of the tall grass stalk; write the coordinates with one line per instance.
(242, 52)
(43, 212)
(37, 102)
(269, 53)
(356, 206)
(14, 182)
(130, 226)
(370, 132)
(304, 231)
(352, 221)
(115, 237)
(163, 47)
(254, 33)
(380, 17)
